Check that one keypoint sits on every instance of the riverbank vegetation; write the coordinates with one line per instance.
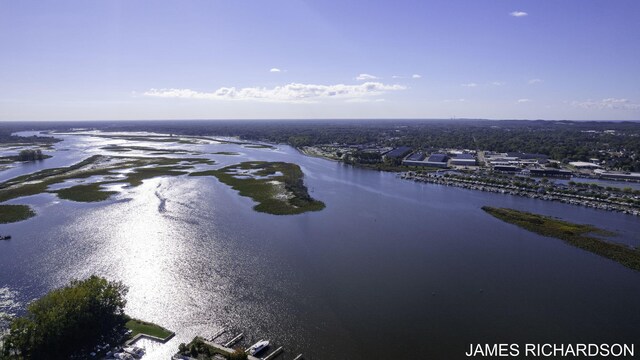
(277, 187)
(85, 193)
(98, 165)
(578, 235)
(199, 349)
(25, 155)
(142, 327)
(15, 213)
(77, 316)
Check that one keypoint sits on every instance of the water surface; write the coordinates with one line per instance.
(389, 269)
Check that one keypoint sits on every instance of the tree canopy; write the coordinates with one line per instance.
(67, 319)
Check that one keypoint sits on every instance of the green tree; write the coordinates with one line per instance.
(67, 319)
(239, 354)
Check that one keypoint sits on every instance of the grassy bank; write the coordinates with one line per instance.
(577, 235)
(85, 193)
(258, 146)
(15, 213)
(225, 153)
(144, 168)
(142, 327)
(16, 158)
(277, 187)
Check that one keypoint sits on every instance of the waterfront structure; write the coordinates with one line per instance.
(584, 165)
(550, 173)
(397, 153)
(617, 175)
(418, 159)
(515, 158)
(464, 160)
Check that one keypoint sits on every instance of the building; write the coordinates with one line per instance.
(550, 173)
(416, 156)
(418, 159)
(464, 160)
(506, 168)
(437, 160)
(398, 152)
(582, 165)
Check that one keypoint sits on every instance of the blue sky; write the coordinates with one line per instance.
(500, 59)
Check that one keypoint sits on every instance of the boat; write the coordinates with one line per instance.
(257, 347)
(5, 237)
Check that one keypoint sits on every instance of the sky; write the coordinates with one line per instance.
(303, 59)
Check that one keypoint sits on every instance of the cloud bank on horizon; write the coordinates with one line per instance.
(116, 59)
(294, 92)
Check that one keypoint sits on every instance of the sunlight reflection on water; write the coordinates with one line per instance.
(331, 284)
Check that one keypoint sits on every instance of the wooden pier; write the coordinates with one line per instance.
(234, 340)
(218, 334)
(273, 355)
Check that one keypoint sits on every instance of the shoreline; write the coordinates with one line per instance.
(591, 202)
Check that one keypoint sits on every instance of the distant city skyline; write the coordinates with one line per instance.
(297, 59)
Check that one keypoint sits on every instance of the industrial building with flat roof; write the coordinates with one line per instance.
(435, 160)
(584, 165)
(464, 160)
(398, 152)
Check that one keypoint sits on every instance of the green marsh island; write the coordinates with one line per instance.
(277, 187)
(110, 170)
(15, 213)
(578, 235)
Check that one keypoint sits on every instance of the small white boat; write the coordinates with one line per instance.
(257, 347)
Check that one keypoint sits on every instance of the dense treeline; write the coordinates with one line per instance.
(561, 140)
(7, 138)
(31, 155)
(66, 320)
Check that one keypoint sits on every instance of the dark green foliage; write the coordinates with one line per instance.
(85, 193)
(67, 319)
(574, 234)
(30, 155)
(269, 197)
(15, 213)
(239, 354)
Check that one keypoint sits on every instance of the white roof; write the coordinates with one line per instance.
(583, 164)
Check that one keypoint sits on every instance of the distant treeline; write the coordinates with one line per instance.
(31, 155)
(561, 140)
(7, 138)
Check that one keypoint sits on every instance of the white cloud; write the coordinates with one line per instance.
(518, 13)
(470, 85)
(453, 100)
(535, 81)
(609, 103)
(498, 83)
(521, 101)
(293, 92)
(396, 77)
(275, 70)
(366, 77)
(416, 76)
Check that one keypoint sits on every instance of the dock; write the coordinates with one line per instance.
(228, 350)
(234, 340)
(218, 334)
(273, 355)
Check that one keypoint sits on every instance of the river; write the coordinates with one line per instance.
(390, 269)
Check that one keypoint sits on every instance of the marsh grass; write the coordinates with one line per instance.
(289, 199)
(578, 235)
(15, 213)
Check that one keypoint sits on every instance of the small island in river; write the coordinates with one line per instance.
(276, 186)
(577, 235)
